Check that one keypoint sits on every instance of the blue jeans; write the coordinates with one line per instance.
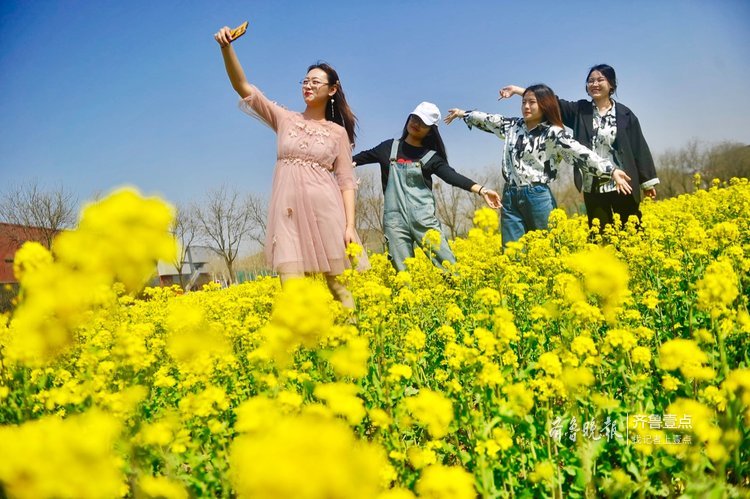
(525, 208)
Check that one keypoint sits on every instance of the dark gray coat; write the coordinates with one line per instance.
(631, 150)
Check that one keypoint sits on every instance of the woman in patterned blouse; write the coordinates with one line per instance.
(534, 147)
(612, 130)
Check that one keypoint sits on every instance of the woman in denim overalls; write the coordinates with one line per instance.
(407, 165)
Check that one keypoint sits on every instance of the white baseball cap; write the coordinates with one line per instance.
(428, 113)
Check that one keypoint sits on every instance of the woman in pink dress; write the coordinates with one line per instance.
(311, 213)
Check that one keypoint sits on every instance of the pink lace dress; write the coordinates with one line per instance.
(306, 218)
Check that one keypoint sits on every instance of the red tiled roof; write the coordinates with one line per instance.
(11, 238)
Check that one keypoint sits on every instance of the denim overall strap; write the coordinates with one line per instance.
(427, 157)
(409, 210)
(394, 150)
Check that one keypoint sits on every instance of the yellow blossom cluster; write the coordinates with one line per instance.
(55, 457)
(117, 239)
(305, 456)
(686, 356)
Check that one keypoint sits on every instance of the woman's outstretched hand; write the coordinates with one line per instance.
(223, 37)
(492, 198)
(453, 114)
(510, 90)
(622, 180)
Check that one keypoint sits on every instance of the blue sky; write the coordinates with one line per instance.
(97, 94)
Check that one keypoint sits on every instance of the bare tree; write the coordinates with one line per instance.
(369, 211)
(726, 160)
(225, 220)
(258, 211)
(451, 206)
(40, 213)
(676, 168)
(184, 229)
(455, 207)
(490, 177)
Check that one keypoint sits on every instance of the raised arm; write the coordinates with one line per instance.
(586, 159)
(252, 102)
(491, 123)
(232, 64)
(378, 154)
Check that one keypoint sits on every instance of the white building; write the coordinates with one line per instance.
(194, 273)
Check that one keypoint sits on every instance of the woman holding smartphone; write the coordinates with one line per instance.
(613, 131)
(311, 212)
(534, 147)
(406, 168)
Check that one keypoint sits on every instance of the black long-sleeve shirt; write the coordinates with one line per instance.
(437, 165)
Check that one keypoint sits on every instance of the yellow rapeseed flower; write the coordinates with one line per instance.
(432, 410)
(641, 355)
(607, 280)
(670, 383)
(343, 400)
(583, 345)
(544, 471)
(54, 457)
(718, 288)
(432, 240)
(31, 257)
(550, 363)
(420, 458)
(307, 457)
(446, 482)
(351, 359)
(160, 487)
(686, 356)
(398, 372)
(397, 493)
(520, 399)
(619, 341)
(486, 219)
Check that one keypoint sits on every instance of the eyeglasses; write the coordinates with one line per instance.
(313, 83)
(598, 80)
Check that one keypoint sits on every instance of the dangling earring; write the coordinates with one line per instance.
(333, 110)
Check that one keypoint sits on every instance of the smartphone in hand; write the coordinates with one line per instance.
(238, 31)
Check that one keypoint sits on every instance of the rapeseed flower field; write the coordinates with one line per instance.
(571, 364)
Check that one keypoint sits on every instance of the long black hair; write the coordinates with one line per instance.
(340, 112)
(433, 141)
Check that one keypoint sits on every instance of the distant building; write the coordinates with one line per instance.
(12, 237)
(195, 271)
